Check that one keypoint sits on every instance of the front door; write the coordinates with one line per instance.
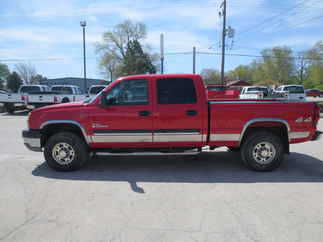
(127, 120)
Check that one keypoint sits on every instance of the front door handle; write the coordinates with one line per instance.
(144, 113)
(191, 112)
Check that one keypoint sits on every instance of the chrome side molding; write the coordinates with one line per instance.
(147, 153)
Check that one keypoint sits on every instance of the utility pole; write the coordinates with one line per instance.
(194, 59)
(224, 14)
(83, 24)
(162, 53)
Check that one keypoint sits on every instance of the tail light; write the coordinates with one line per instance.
(24, 99)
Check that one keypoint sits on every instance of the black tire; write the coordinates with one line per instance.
(73, 143)
(65, 100)
(262, 141)
(233, 149)
(10, 108)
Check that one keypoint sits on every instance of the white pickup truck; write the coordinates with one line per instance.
(292, 92)
(57, 94)
(67, 93)
(15, 101)
(254, 92)
(95, 89)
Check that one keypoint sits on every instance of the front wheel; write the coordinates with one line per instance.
(65, 151)
(262, 151)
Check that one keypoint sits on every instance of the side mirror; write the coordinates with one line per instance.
(111, 101)
(106, 102)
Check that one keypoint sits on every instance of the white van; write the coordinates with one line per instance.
(295, 92)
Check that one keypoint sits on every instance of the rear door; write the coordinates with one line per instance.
(178, 113)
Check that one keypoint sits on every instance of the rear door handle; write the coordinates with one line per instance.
(191, 112)
(144, 113)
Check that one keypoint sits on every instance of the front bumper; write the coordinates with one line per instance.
(32, 139)
(317, 135)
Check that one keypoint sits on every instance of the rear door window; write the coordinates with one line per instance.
(176, 91)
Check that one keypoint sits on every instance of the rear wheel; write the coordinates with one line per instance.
(262, 151)
(10, 108)
(65, 152)
(65, 100)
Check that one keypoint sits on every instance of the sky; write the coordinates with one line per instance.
(48, 34)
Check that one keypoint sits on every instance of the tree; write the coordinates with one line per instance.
(278, 64)
(136, 61)
(26, 71)
(242, 72)
(38, 79)
(114, 46)
(4, 73)
(211, 76)
(268, 83)
(315, 66)
(14, 81)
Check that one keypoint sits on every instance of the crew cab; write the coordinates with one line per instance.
(168, 115)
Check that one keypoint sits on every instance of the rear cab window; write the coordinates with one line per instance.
(294, 89)
(29, 89)
(62, 90)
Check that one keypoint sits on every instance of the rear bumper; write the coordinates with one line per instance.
(32, 139)
(317, 135)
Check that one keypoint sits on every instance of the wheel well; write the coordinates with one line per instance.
(51, 129)
(278, 129)
(65, 100)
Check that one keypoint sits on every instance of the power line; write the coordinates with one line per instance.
(258, 56)
(270, 19)
(308, 20)
(169, 53)
(73, 58)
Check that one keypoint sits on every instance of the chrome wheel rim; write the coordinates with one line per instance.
(63, 153)
(264, 153)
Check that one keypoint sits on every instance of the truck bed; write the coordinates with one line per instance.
(229, 118)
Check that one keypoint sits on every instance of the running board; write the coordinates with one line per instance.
(146, 153)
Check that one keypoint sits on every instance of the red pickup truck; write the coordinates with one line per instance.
(168, 115)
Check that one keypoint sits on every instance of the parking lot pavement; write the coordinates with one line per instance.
(212, 198)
